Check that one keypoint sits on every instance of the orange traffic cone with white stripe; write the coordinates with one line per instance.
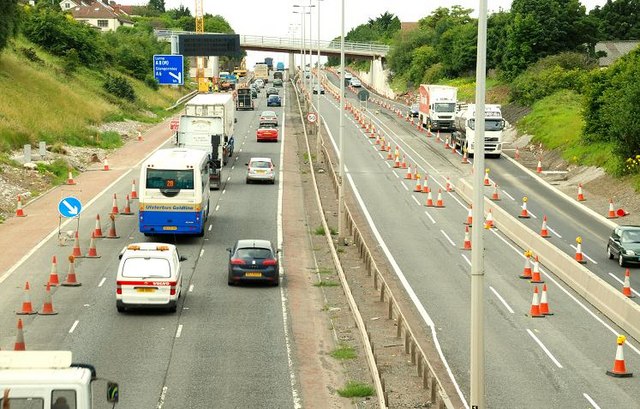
(92, 252)
(47, 306)
(465, 157)
(526, 271)
(438, 136)
(439, 201)
(54, 279)
(408, 175)
(76, 252)
(71, 280)
(517, 155)
(544, 303)
(486, 181)
(494, 196)
(111, 234)
(425, 184)
(619, 368)
(106, 164)
(396, 163)
(418, 187)
(404, 162)
(446, 143)
(429, 202)
(544, 231)
(19, 210)
(579, 256)
(535, 274)
(524, 213)
(626, 287)
(534, 312)
(449, 186)
(70, 180)
(580, 197)
(612, 213)
(20, 345)
(467, 239)
(389, 155)
(488, 223)
(114, 207)
(97, 231)
(27, 307)
(127, 207)
(415, 175)
(134, 191)
(539, 167)
(469, 220)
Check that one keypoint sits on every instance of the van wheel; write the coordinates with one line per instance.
(120, 309)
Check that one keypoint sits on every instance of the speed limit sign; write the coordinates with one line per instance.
(312, 117)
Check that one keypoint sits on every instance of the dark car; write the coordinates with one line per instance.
(272, 91)
(318, 88)
(254, 93)
(624, 243)
(277, 82)
(414, 110)
(274, 101)
(253, 260)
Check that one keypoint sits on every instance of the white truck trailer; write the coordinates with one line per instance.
(437, 106)
(209, 124)
(464, 133)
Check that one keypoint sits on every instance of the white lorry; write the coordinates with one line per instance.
(208, 124)
(437, 106)
(261, 72)
(464, 133)
(49, 379)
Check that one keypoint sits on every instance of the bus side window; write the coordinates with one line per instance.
(63, 399)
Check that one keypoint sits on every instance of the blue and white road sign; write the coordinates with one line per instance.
(70, 207)
(168, 69)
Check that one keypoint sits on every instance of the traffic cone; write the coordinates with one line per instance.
(70, 180)
(377, 142)
(439, 202)
(71, 280)
(418, 187)
(465, 158)
(535, 274)
(535, 305)
(539, 167)
(408, 175)
(47, 306)
(383, 145)
(494, 195)
(76, 252)
(486, 182)
(134, 191)
(140, 139)
(396, 164)
(544, 232)
(626, 287)
(429, 202)
(388, 147)
(106, 164)
(449, 185)
(19, 345)
(54, 280)
(524, 213)
(404, 162)
(415, 175)
(467, 239)
(19, 211)
(93, 252)
(469, 220)
(544, 303)
(127, 207)
(111, 234)
(526, 271)
(27, 307)
(97, 232)
(114, 207)
(425, 184)
(619, 369)
(579, 256)
(517, 156)
(438, 136)
(488, 223)
(389, 155)
(612, 213)
(446, 143)
(580, 193)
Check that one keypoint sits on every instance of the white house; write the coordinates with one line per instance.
(97, 14)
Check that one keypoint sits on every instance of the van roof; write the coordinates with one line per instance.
(210, 99)
(40, 377)
(35, 359)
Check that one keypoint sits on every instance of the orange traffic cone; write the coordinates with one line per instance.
(612, 213)
(486, 182)
(19, 211)
(54, 280)
(27, 307)
(93, 252)
(544, 303)
(47, 306)
(418, 187)
(439, 202)
(19, 345)
(488, 223)
(544, 232)
(429, 202)
(389, 155)
(76, 252)
(111, 234)
(438, 136)
(97, 232)
(579, 256)
(524, 213)
(415, 175)
(580, 193)
(425, 184)
(465, 158)
(408, 175)
(377, 142)
(535, 274)
(535, 305)
(517, 156)
(467, 239)
(626, 287)
(71, 280)
(619, 369)
(134, 191)
(404, 162)
(494, 195)
(539, 167)
(127, 207)
(469, 220)
(114, 207)
(140, 139)
(70, 180)
(396, 164)
(449, 185)
(446, 143)
(106, 164)
(526, 271)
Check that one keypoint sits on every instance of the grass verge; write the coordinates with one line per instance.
(355, 389)
(344, 352)
(326, 283)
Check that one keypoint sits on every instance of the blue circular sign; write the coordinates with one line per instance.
(70, 207)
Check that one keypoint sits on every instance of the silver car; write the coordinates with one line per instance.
(261, 170)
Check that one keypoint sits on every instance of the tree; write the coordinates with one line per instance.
(618, 20)
(8, 21)
(496, 37)
(182, 11)
(156, 5)
(458, 47)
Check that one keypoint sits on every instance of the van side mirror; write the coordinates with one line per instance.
(182, 258)
(113, 392)
(235, 120)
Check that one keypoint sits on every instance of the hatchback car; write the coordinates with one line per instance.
(414, 110)
(268, 117)
(267, 132)
(624, 244)
(272, 91)
(259, 83)
(355, 82)
(253, 260)
(318, 88)
(274, 101)
(261, 170)
(277, 82)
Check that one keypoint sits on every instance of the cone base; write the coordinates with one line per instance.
(127, 213)
(76, 284)
(93, 256)
(612, 217)
(620, 374)
(439, 206)
(50, 284)
(545, 236)
(536, 281)
(112, 237)
(582, 261)
(101, 236)
(547, 313)
(629, 295)
(524, 216)
(48, 313)
(537, 316)
(71, 183)
(495, 199)
(133, 198)
(26, 313)
(21, 215)
(525, 277)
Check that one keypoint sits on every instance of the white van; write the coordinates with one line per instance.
(149, 275)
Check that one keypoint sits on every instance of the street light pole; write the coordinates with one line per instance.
(341, 223)
(318, 74)
(302, 14)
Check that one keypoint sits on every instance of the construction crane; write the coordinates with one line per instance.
(200, 79)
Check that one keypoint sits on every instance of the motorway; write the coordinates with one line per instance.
(225, 345)
(557, 361)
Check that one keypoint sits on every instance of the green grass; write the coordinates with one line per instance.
(58, 168)
(319, 231)
(355, 389)
(325, 271)
(326, 283)
(344, 352)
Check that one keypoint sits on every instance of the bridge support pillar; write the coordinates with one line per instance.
(292, 64)
(214, 63)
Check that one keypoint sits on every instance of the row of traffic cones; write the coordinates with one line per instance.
(54, 280)
(47, 306)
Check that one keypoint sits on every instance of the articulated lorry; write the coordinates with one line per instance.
(464, 133)
(261, 71)
(437, 106)
(49, 379)
(208, 124)
(243, 99)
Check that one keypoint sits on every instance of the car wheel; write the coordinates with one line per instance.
(609, 253)
(230, 283)
(173, 308)
(621, 260)
(248, 182)
(120, 309)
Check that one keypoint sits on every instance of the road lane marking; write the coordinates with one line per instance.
(228, 179)
(507, 194)
(448, 238)
(179, 331)
(201, 252)
(404, 186)
(429, 216)
(554, 232)
(591, 401)
(210, 226)
(191, 288)
(622, 282)
(544, 348)
(217, 208)
(225, 190)
(233, 167)
(73, 327)
(464, 256)
(584, 254)
(502, 300)
(388, 165)
(396, 175)
(163, 396)
(416, 200)
(102, 281)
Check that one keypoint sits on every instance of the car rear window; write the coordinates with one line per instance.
(260, 164)
(255, 253)
(138, 267)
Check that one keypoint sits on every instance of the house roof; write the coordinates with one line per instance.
(614, 50)
(97, 9)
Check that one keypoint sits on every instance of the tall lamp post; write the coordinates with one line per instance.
(341, 223)
(318, 70)
(302, 16)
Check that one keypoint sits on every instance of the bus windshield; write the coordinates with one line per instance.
(170, 179)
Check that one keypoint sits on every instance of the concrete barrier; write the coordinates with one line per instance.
(611, 302)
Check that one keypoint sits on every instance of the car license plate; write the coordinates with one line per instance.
(253, 274)
(170, 228)
(260, 172)
(146, 290)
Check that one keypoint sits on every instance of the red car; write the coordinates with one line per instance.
(267, 132)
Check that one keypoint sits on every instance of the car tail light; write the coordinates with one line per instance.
(270, 262)
(118, 287)
(172, 291)
(236, 261)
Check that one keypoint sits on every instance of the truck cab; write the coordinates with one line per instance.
(465, 126)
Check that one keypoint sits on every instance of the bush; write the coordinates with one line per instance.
(31, 54)
(151, 82)
(120, 87)
(71, 61)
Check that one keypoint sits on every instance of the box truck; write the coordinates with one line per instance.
(464, 133)
(437, 106)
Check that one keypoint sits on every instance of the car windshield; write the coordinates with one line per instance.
(146, 267)
(262, 164)
(415, 107)
(630, 236)
(444, 107)
(274, 97)
(268, 114)
(253, 253)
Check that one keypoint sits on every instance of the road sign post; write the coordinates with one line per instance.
(168, 69)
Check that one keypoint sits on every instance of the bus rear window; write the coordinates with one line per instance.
(170, 179)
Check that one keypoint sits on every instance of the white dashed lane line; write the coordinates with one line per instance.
(102, 281)
(429, 216)
(544, 348)
(179, 331)
(447, 237)
(591, 401)
(502, 300)
(73, 327)
(191, 288)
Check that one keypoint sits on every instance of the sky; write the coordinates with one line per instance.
(275, 18)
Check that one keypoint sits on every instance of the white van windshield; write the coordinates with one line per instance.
(141, 267)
